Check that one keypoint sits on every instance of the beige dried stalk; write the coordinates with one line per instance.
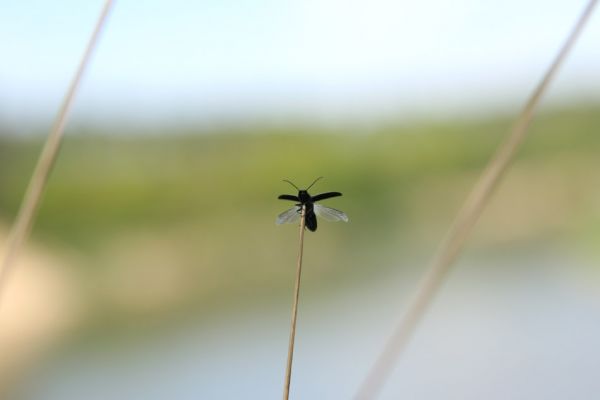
(31, 201)
(463, 224)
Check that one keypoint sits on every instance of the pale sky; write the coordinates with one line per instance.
(163, 61)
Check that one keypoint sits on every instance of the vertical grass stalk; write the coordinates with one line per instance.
(290, 356)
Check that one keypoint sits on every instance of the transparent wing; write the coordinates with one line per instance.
(330, 214)
(290, 216)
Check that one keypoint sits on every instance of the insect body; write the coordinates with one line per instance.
(312, 210)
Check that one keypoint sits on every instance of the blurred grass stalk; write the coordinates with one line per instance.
(463, 224)
(31, 201)
(290, 356)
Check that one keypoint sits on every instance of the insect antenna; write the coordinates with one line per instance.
(285, 180)
(315, 181)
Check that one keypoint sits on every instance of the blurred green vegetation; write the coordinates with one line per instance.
(203, 204)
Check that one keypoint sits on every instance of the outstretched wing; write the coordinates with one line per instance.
(288, 197)
(330, 214)
(327, 195)
(290, 216)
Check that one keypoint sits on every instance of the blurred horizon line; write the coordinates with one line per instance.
(365, 122)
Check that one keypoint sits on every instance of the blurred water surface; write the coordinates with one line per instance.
(518, 327)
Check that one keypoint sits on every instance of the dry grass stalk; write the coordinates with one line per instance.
(463, 224)
(30, 204)
(288, 370)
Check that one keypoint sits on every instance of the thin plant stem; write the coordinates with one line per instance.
(31, 201)
(464, 222)
(290, 356)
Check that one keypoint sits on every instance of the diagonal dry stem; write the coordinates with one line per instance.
(288, 370)
(465, 220)
(26, 215)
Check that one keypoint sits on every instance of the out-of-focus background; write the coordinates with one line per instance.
(155, 269)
